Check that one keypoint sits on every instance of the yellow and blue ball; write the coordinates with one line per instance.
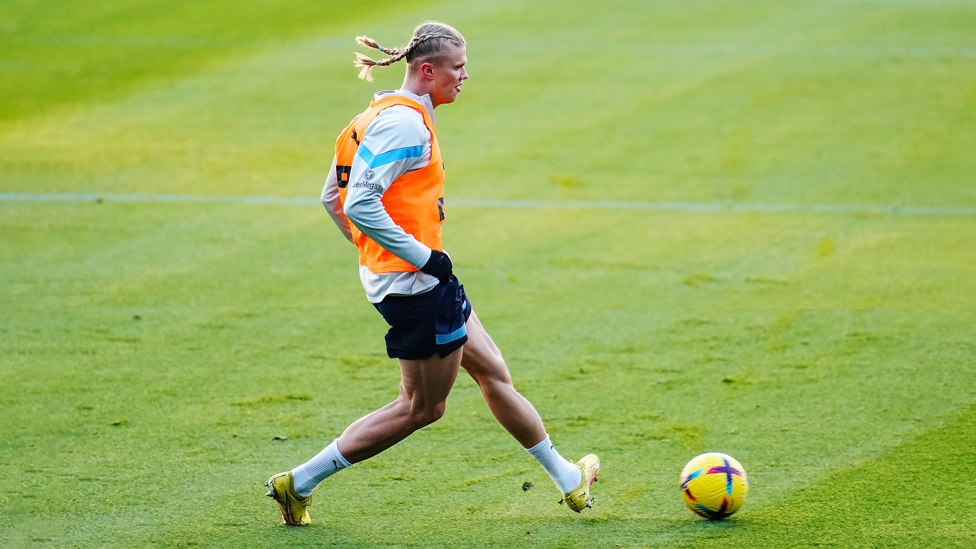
(714, 485)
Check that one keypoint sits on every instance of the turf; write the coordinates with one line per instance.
(150, 354)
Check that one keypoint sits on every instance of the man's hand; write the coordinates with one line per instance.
(439, 265)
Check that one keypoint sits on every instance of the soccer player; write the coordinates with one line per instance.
(386, 194)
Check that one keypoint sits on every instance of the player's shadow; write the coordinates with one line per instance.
(708, 529)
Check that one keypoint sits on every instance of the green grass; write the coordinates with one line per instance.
(150, 354)
(59, 53)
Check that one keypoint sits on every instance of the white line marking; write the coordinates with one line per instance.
(498, 203)
(219, 199)
(708, 206)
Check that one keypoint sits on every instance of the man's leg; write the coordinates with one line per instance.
(483, 361)
(424, 386)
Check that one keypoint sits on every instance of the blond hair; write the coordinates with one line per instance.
(426, 45)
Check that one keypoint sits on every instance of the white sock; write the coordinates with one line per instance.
(566, 475)
(327, 463)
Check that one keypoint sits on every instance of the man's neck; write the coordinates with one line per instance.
(416, 88)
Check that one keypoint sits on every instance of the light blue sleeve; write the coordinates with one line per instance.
(333, 204)
(396, 142)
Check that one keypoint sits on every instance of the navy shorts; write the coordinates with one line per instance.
(428, 323)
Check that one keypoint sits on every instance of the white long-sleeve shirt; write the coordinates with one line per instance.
(395, 142)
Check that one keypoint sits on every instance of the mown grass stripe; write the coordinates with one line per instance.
(692, 48)
(761, 50)
(511, 204)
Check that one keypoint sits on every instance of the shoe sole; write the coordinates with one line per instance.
(589, 498)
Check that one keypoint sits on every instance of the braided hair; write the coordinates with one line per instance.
(427, 44)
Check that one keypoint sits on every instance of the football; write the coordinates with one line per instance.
(714, 485)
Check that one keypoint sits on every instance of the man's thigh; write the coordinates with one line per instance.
(431, 379)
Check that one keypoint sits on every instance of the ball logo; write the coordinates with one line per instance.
(369, 174)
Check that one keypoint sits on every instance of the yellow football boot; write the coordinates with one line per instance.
(579, 498)
(294, 508)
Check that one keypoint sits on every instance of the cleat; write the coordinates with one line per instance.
(294, 508)
(579, 498)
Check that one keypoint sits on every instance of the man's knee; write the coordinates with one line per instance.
(486, 365)
(491, 372)
(425, 415)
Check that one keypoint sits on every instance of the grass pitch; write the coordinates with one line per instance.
(150, 354)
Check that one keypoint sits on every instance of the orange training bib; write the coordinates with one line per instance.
(415, 200)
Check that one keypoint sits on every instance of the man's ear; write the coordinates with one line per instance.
(427, 70)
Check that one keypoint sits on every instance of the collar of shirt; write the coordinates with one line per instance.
(424, 100)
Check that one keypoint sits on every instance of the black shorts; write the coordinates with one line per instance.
(428, 323)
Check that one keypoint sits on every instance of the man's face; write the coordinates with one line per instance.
(448, 75)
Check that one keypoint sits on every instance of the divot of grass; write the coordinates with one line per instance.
(469, 482)
(764, 280)
(273, 399)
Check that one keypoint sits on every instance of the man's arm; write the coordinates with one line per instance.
(333, 204)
